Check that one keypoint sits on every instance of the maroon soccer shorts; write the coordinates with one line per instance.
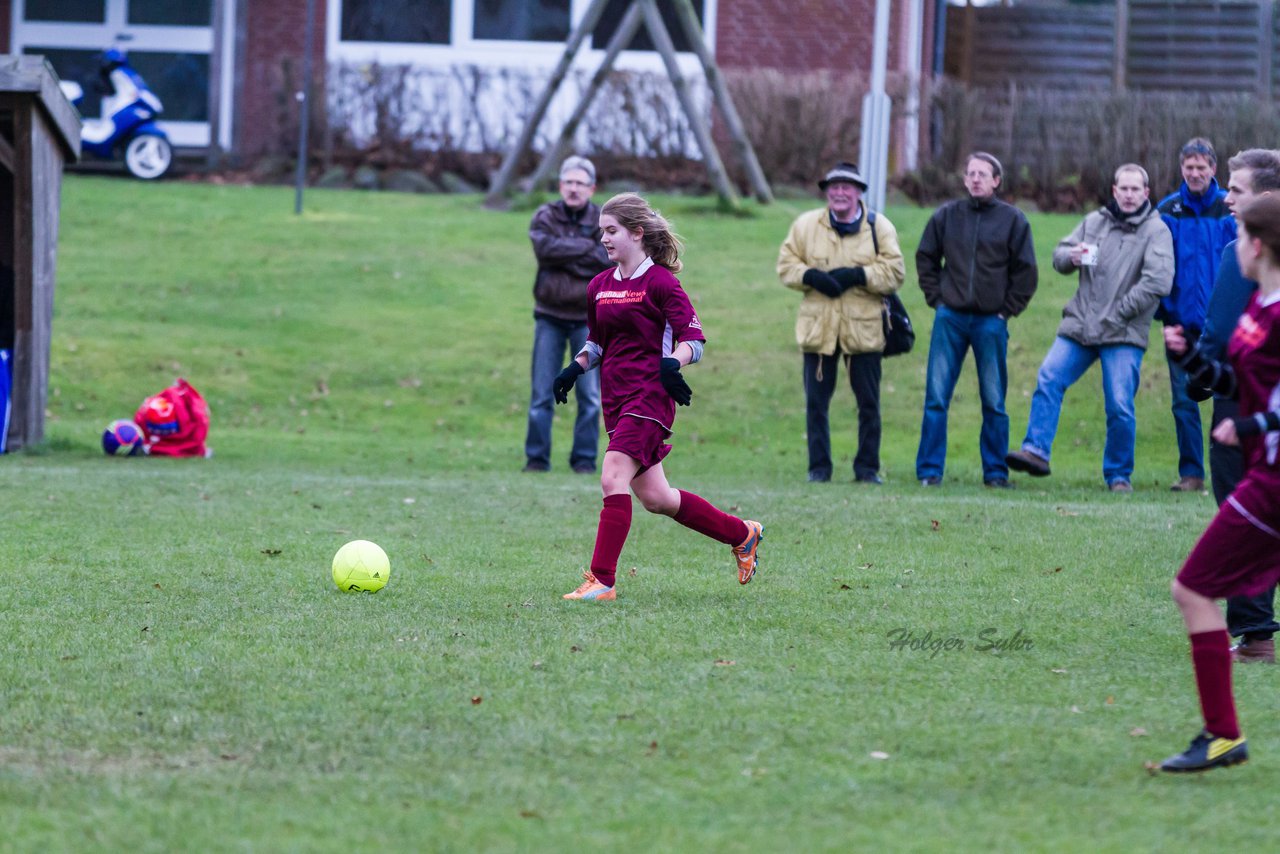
(1239, 553)
(642, 439)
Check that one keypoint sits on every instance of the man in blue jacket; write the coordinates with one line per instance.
(1202, 226)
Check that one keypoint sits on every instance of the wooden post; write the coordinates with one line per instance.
(1266, 48)
(501, 181)
(1120, 52)
(746, 154)
(621, 38)
(662, 41)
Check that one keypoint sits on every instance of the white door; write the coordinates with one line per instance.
(169, 42)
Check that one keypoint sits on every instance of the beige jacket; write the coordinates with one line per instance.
(851, 321)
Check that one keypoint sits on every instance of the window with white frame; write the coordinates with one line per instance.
(521, 20)
(617, 8)
(66, 11)
(169, 42)
(410, 21)
(483, 31)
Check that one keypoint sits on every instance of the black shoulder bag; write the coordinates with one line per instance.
(899, 337)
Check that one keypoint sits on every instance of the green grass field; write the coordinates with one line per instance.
(177, 671)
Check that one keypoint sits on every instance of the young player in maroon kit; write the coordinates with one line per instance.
(641, 331)
(1239, 553)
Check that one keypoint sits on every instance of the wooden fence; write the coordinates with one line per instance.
(1137, 44)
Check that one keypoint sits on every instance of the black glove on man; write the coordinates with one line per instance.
(849, 277)
(565, 380)
(674, 383)
(822, 282)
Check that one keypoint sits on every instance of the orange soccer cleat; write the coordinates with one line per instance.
(745, 553)
(590, 588)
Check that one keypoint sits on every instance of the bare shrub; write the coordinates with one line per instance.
(799, 124)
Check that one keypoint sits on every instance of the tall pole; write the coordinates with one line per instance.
(911, 125)
(874, 153)
(304, 103)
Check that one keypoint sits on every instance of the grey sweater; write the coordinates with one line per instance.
(1118, 296)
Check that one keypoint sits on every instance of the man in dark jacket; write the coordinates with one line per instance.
(1202, 226)
(1124, 256)
(566, 242)
(977, 268)
(1253, 172)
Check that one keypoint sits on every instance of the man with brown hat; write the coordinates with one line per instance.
(844, 259)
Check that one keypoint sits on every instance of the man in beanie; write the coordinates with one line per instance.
(977, 268)
(844, 259)
(566, 242)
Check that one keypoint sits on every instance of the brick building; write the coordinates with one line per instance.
(227, 69)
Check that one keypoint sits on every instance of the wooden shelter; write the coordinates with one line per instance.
(39, 132)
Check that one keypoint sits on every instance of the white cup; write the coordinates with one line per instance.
(1088, 254)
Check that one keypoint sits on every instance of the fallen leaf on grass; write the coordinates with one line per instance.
(653, 748)
(724, 662)
(1111, 701)
(1152, 768)
(1062, 511)
(1052, 571)
(1137, 732)
(529, 814)
(934, 524)
(477, 700)
(575, 648)
(845, 587)
(631, 573)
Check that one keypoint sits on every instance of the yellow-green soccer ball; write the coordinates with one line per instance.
(361, 567)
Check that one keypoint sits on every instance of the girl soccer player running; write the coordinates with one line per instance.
(641, 330)
(1239, 553)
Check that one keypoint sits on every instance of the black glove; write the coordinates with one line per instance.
(674, 383)
(565, 380)
(822, 282)
(850, 277)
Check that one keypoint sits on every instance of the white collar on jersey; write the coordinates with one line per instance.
(1269, 299)
(644, 265)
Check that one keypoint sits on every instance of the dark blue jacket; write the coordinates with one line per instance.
(1202, 226)
(1231, 295)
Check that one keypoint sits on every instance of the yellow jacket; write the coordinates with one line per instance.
(852, 320)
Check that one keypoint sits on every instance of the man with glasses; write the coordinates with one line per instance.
(977, 268)
(566, 242)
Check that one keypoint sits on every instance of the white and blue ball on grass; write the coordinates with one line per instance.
(123, 438)
(361, 567)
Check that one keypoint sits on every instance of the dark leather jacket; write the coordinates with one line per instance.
(567, 246)
(977, 257)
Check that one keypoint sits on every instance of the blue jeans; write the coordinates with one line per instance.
(1065, 363)
(1186, 424)
(550, 340)
(954, 333)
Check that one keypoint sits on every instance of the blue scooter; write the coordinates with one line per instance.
(129, 110)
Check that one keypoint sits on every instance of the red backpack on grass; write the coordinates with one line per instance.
(175, 421)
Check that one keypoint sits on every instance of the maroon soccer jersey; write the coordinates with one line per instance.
(637, 322)
(1254, 351)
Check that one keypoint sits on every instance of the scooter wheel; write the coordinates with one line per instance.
(148, 156)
